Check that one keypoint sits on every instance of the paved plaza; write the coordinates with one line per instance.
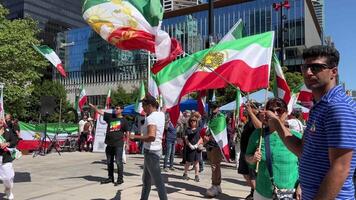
(77, 175)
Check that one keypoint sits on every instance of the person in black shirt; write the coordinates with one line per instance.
(114, 140)
(250, 126)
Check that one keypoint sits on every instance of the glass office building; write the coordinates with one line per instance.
(190, 26)
(53, 16)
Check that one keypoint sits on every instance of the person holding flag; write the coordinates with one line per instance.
(217, 147)
(117, 128)
(278, 167)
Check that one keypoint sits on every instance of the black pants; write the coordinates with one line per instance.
(116, 152)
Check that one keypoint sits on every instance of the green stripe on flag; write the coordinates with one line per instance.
(217, 124)
(151, 10)
(90, 3)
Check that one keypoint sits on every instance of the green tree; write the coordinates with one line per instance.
(20, 64)
(63, 109)
(294, 79)
(121, 97)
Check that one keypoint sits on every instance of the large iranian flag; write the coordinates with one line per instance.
(52, 57)
(217, 127)
(244, 62)
(132, 24)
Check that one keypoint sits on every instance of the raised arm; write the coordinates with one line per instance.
(101, 112)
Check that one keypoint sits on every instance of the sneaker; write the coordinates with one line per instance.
(108, 180)
(249, 197)
(185, 176)
(196, 179)
(9, 194)
(118, 182)
(212, 191)
(171, 168)
(219, 188)
(165, 169)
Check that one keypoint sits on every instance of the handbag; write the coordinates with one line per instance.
(278, 194)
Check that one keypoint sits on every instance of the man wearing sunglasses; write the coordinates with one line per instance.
(327, 150)
(114, 140)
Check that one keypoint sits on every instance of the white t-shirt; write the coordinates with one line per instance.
(155, 118)
(81, 125)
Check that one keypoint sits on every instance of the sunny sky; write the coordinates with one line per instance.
(340, 17)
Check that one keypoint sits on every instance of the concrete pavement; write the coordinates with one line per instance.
(77, 175)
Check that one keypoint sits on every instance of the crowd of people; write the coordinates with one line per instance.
(280, 155)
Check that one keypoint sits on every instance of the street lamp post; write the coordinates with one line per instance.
(279, 7)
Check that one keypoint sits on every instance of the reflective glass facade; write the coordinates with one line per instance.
(257, 16)
(85, 50)
(53, 16)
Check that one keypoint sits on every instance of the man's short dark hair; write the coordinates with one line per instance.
(119, 105)
(330, 53)
(150, 100)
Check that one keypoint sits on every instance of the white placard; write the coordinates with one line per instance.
(100, 132)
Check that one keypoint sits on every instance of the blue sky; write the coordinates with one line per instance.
(340, 24)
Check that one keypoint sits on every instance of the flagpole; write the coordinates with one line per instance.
(262, 130)
(2, 100)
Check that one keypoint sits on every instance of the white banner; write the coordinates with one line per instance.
(100, 132)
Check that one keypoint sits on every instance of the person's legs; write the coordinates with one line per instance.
(7, 175)
(110, 152)
(196, 164)
(173, 152)
(119, 164)
(168, 154)
(215, 159)
(155, 172)
(201, 162)
(146, 179)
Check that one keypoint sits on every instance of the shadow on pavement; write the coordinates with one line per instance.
(22, 177)
(88, 178)
(235, 181)
(99, 162)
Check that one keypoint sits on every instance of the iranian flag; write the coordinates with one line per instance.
(52, 57)
(244, 62)
(152, 87)
(82, 99)
(108, 100)
(201, 102)
(281, 88)
(138, 106)
(217, 127)
(131, 25)
(305, 95)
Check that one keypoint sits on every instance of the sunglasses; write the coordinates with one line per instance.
(117, 108)
(315, 67)
(278, 110)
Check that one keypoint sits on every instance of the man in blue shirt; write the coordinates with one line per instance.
(327, 150)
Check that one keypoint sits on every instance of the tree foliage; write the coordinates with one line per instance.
(20, 64)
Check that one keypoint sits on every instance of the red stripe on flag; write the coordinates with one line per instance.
(130, 39)
(282, 84)
(61, 70)
(226, 151)
(176, 50)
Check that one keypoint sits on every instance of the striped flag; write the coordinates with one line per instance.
(201, 102)
(138, 106)
(52, 57)
(244, 62)
(132, 25)
(108, 100)
(281, 88)
(217, 127)
(82, 99)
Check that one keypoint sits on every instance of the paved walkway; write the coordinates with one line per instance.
(77, 176)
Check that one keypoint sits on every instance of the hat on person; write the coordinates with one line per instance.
(150, 100)
(214, 104)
